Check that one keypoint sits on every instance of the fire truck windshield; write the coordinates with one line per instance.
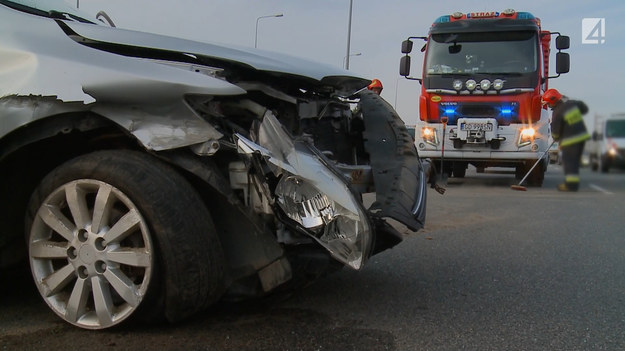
(512, 53)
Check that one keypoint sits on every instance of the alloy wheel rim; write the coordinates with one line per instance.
(91, 254)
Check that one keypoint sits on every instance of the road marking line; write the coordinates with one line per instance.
(598, 188)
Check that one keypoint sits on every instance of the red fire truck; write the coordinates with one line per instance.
(484, 74)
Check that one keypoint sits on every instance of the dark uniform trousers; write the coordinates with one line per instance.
(567, 127)
(571, 158)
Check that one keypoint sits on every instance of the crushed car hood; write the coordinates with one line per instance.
(344, 81)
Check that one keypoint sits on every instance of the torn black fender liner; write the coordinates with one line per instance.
(397, 170)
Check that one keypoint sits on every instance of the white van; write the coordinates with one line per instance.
(608, 147)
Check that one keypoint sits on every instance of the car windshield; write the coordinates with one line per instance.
(615, 128)
(491, 53)
(50, 8)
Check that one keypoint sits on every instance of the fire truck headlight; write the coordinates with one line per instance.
(471, 84)
(612, 151)
(485, 84)
(526, 136)
(429, 135)
(498, 84)
(457, 84)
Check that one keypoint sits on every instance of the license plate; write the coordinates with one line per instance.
(486, 127)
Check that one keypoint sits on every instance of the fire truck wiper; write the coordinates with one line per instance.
(513, 74)
(450, 74)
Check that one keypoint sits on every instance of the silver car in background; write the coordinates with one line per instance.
(147, 177)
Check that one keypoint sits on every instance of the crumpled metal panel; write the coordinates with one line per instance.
(37, 59)
(161, 127)
(21, 110)
(255, 58)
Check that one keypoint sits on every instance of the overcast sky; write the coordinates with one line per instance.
(318, 30)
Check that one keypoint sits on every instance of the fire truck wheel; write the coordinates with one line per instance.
(459, 169)
(604, 164)
(519, 171)
(537, 176)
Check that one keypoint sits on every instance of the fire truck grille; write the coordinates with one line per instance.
(479, 111)
(504, 113)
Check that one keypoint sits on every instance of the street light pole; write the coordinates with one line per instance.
(349, 35)
(256, 35)
(345, 58)
(396, 88)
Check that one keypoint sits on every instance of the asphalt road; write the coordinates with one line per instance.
(494, 269)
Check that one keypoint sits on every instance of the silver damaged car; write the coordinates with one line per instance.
(146, 177)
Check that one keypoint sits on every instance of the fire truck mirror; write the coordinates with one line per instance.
(562, 42)
(406, 46)
(404, 66)
(563, 62)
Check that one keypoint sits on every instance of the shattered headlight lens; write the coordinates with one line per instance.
(304, 204)
(339, 230)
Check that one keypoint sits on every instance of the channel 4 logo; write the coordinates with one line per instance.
(593, 30)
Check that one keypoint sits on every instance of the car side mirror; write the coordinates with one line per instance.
(562, 42)
(406, 46)
(563, 62)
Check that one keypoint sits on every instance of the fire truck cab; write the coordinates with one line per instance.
(484, 74)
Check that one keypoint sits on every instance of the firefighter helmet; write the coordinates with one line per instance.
(551, 97)
(375, 84)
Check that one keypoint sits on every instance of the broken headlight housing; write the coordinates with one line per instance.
(312, 193)
(340, 230)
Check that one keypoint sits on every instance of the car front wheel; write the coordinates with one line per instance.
(117, 234)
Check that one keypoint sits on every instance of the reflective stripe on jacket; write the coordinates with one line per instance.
(567, 122)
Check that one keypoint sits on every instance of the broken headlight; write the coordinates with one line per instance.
(339, 230)
(304, 204)
(313, 194)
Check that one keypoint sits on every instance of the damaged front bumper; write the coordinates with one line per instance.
(316, 196)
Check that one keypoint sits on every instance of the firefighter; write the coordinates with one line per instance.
(376, 86)
(568, 128)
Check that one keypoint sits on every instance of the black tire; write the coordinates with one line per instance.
(174, 265)
(537, 176)
(604, 165)
(447, 167)
(520, 171)
(459, 169)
